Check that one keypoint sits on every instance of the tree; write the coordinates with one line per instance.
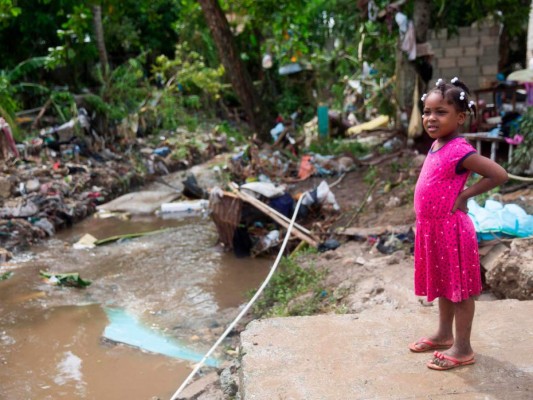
(100, 42)
(239, 77)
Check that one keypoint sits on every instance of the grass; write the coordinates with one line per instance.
(293, 290)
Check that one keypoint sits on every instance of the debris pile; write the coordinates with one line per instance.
(61, 176)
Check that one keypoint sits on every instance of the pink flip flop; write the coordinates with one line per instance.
(429, 345)
(454, 362)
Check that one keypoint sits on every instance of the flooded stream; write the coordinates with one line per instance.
(176, 284)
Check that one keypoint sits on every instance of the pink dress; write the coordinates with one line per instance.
(446, 249)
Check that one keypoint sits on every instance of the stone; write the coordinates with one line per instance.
(195, 389)
(511, 271)
(5, 187)
(489, 260)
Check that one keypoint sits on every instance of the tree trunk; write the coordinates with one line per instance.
(529, 52)
(421, 16)
(99, 33)
(237, 73)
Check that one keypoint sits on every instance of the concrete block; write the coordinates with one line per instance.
(470, 71)
(439, 52)
(453, 52)
(468, 41)
(472, 50)
(488, 60)
(466, 61)
(447, 73)
(441, 33)
(364, 356)
(486, 40)
(452, 42)
(464, 31)
(446, 62)
(489, 69)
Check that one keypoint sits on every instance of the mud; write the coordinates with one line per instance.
(176, 282)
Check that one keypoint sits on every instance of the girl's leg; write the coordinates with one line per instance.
(446, 314)
(444, 334)
(464, 315)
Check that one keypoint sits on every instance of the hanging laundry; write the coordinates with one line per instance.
(409, 42)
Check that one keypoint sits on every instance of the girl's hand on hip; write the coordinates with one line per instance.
(460, 204)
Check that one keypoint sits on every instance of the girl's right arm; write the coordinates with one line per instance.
(492, 173)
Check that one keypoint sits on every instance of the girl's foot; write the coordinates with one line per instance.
(426, 344)
(442, 361)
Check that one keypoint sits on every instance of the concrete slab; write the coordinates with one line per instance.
(365, 356)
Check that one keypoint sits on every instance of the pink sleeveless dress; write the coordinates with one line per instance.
(446, 249)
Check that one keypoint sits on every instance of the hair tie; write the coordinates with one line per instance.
(462, 96)
(439, 81)
(454, 80)
(423, 98)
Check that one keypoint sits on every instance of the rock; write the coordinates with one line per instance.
(489, 260)
(511, 271)
(5, 187)
(396, 257)
(195, 389)
(360, 261)
(229, 381)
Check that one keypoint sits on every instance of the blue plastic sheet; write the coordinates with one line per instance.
(124, 328)
(498, 220)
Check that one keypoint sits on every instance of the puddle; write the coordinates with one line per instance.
(175, 284)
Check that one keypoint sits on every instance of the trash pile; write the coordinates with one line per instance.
(53, 180)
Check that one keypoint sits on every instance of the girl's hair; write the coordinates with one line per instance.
(457, 93)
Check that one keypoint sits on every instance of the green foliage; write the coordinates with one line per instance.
(6, 275)
(523, 154)
(337, 147)
(76, 44)
(124, 91)
(8, 10)
(371, 175)
(188, 72)
(287, 284)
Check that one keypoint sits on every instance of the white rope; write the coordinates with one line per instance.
(247, 307)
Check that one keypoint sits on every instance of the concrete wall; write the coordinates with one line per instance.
(472, 55)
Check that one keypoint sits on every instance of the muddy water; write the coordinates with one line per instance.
(175, 283)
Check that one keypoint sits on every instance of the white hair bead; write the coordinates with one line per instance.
(439, 81)
(462, 96)
(423, 98)
(454, 79)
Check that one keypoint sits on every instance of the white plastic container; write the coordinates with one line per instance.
(185, 206)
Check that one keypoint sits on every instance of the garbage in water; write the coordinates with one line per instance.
(124, 328)
(87, 241)
(192, 206)
(69, 279)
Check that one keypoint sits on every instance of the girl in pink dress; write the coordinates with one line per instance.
(446, 250)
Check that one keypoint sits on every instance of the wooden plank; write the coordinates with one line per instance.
(275, 216)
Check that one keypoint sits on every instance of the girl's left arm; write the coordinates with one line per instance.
(492, 173)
